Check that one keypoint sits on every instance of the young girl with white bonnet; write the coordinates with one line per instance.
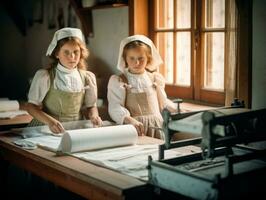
(60, 92)
(137, 95)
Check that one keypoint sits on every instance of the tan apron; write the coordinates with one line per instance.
(140, 107)
(63, 106)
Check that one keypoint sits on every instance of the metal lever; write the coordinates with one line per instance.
(178, 101)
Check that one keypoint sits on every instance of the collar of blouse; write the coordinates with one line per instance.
(63, 69)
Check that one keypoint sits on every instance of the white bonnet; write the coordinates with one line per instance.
(64, 33)
(156, 58)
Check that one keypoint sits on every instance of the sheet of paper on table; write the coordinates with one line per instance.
(114, 147)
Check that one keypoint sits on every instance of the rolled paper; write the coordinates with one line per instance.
(98, 138)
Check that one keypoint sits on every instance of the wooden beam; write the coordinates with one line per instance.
(138, 17)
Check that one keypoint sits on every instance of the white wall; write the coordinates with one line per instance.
(110, 26)
(259, 55)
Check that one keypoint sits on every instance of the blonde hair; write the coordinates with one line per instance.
(84, 54)
(137, 44)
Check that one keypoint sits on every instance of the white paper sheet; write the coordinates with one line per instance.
(130, 160)
(193, 124)
(9, 105)
(110, 152)
(12, 114)
(48, 142)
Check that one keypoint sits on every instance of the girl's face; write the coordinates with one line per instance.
(69, 55)
(136, 60)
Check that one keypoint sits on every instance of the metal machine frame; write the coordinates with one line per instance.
(234, 167)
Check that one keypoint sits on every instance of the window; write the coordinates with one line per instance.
(192, 37)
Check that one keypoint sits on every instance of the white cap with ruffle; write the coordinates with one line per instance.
(64, 33)
(156, 58)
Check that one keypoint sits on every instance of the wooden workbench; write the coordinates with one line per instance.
(80, 177)
(16, 122)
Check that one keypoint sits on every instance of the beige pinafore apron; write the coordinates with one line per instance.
(63, 106)
(140, 106)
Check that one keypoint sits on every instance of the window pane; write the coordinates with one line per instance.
(215, 13)
(183, 58)
(165, 46)
(183, 18)
(165, 16)
(214, 61)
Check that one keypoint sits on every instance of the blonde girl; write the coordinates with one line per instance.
(64, 91)
(137, 95)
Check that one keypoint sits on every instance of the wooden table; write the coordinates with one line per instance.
(80, 177)
(18, 121)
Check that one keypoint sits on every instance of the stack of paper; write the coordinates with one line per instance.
(10, 109)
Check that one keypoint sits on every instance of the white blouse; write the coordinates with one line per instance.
(137, 82)
(68, 80)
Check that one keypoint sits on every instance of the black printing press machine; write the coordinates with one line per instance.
(227, 167)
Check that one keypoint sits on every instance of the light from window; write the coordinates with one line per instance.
(165, 45)
(183, 58)
(165, 17)
(215, 13)
(214, 61)
(183, 17)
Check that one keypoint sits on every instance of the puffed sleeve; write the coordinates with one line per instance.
(90, 98)
(116, 96)
(162, 97)
(39, 87)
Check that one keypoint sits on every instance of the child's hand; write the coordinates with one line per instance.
(140, 128)
(138, 125)
(96, 121)
(56, 127)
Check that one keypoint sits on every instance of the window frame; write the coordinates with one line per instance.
(195, 91)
